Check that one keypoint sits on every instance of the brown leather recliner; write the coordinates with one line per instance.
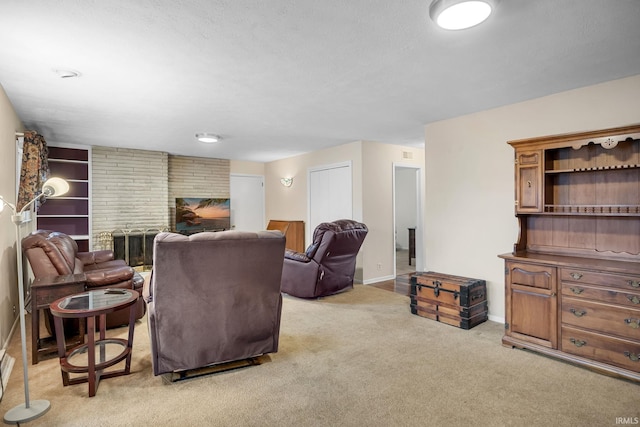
(51, 253)
(213, 297)
(328, 265)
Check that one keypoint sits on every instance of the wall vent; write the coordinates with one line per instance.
(407, 155)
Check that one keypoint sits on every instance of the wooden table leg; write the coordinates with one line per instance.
(91, 352)
(35, 334)
(132, 324)
(62, 347)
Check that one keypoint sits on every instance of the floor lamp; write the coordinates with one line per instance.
(30, 410)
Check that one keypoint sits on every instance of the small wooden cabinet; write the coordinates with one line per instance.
(293, 232)
(532, 289)
(572, 282)
(529, 181)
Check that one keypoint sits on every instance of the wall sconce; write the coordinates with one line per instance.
(29, 410)
(286, 181)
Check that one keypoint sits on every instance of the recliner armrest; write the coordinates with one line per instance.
(296, 256)
(108, 276)
(95, 257)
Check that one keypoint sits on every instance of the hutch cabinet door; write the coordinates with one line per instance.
(529, 181)
(532, 303)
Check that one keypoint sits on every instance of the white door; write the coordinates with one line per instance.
(330, 194)
(247, 202)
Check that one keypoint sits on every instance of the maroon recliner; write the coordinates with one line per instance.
(328, 265)
(51, 253)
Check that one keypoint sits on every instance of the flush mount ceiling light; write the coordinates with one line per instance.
(460, 14)
(66, 74)
(207, 138)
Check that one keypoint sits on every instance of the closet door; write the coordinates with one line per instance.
(247, 202)
(330, 194)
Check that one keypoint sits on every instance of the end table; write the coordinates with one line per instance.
(89, 305)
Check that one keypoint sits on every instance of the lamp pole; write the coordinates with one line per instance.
(29, 410)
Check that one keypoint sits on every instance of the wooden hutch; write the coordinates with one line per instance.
(573, 280)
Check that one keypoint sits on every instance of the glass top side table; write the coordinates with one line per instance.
(92, 305)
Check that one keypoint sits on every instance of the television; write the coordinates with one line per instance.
(195, 214)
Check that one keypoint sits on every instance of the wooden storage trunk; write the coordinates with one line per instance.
(454, 300)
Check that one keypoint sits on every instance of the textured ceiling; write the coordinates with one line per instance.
(278, 78)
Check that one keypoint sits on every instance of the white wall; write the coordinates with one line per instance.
(469, 215)
(9, 124)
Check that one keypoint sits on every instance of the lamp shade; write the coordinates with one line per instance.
(55, 187)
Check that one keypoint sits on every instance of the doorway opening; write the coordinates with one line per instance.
(407, 221)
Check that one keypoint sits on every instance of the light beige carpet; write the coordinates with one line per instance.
(355, 359)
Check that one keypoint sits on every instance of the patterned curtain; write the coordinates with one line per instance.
(35, 168)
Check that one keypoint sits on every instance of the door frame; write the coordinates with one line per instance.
(419, 214)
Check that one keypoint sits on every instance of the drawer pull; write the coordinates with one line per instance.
(577, 291)
(633, 323)
(632, 356)
(577, 343)
(634, 283)
(634, 299)
(576, 276)
(577, 313)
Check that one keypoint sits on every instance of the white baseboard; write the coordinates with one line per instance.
(498, 319)
(5, 370)
(6, 366)
(378, 279)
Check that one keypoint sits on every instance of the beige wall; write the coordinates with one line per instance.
(9, 124)
(469, 215)
(290, 203)
(379, 249)
(372, 171)
(246, 168)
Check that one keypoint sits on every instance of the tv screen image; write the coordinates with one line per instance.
(196, 214)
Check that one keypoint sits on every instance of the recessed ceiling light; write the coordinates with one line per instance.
(66, 74)
(460, 14)
(207, 138)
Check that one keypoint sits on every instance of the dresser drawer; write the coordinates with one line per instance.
(621, 281)
(610, 350)
(607, 319)
(533, 275)
(601, 294)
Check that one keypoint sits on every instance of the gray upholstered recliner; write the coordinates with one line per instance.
(328, 265)
(213, 298)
